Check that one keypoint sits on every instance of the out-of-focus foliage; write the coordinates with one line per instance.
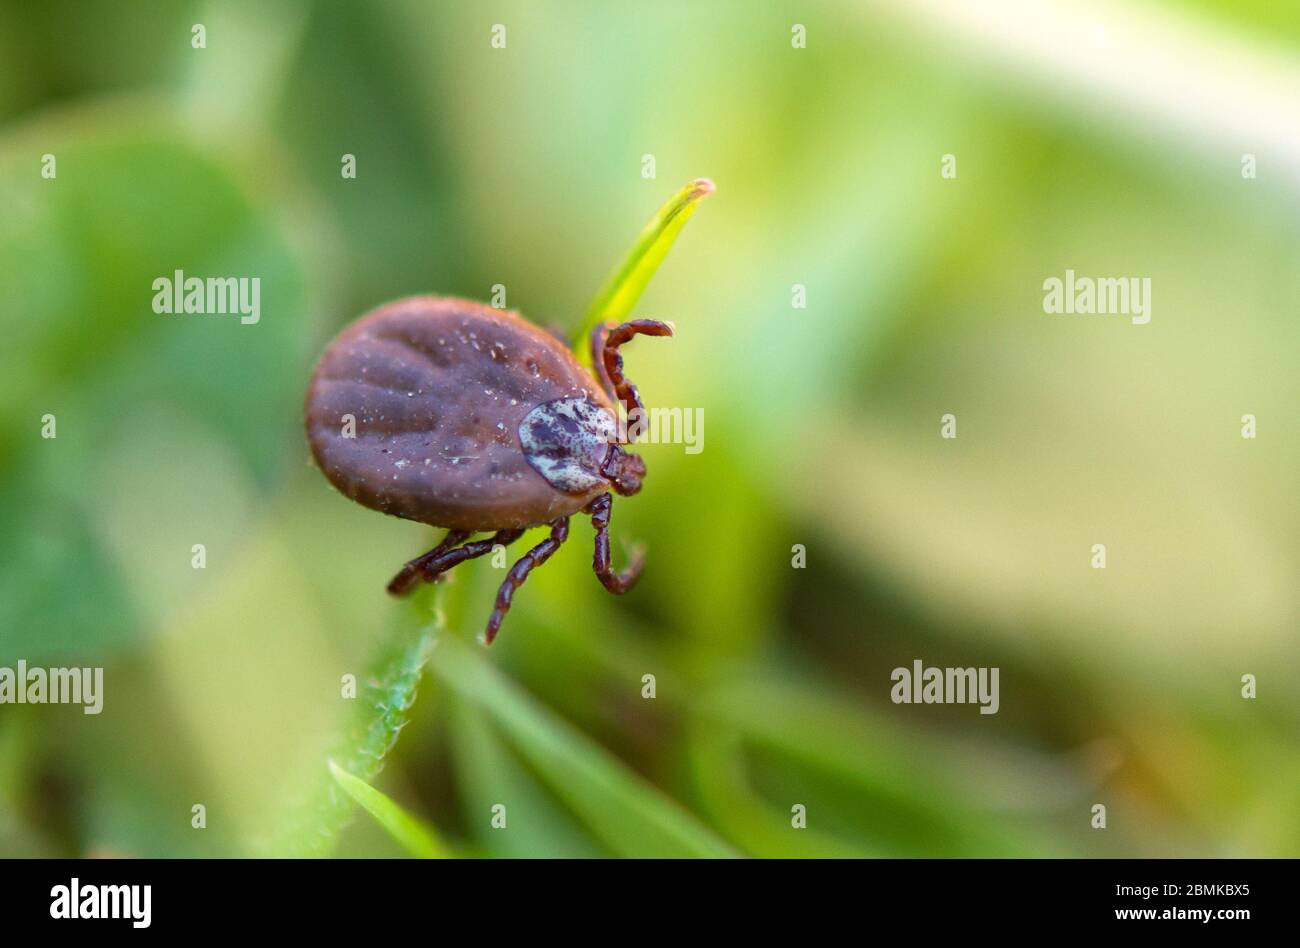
(523, 167)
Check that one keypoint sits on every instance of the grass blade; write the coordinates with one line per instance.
(412, 835)
(619, 295)
(488, 772)
(317, 813)
(628, 815)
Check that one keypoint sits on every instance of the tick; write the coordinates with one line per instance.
(452, 413)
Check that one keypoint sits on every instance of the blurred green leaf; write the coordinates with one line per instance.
(629, 815)
(615, 301)
(758, 825)
(414, 836)
(135, 199)
(876, 788)
(488, 773)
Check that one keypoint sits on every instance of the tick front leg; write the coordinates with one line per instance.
(617, 583)
(598, 334)
(610, 361)
(519, 572)
(444, 556)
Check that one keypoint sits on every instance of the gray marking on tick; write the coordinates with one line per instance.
(566, 441)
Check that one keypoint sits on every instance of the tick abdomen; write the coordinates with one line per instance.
(415, 410)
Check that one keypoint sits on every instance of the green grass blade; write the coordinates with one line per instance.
(317, 813)
(619, 295)
(412, 835)
(628, 815)
(488, 772)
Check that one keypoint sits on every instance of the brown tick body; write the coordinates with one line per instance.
(458, 415)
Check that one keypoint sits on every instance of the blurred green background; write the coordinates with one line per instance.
(523, 166)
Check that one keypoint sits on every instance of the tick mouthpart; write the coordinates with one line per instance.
(624, 471)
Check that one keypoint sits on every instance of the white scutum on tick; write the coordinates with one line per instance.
(566, 441)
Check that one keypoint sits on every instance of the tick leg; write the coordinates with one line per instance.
(610, 360)
(519, 572)
(598, 335)
(444, 556)
(402, 582)
(432, 570)
(617, 583)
